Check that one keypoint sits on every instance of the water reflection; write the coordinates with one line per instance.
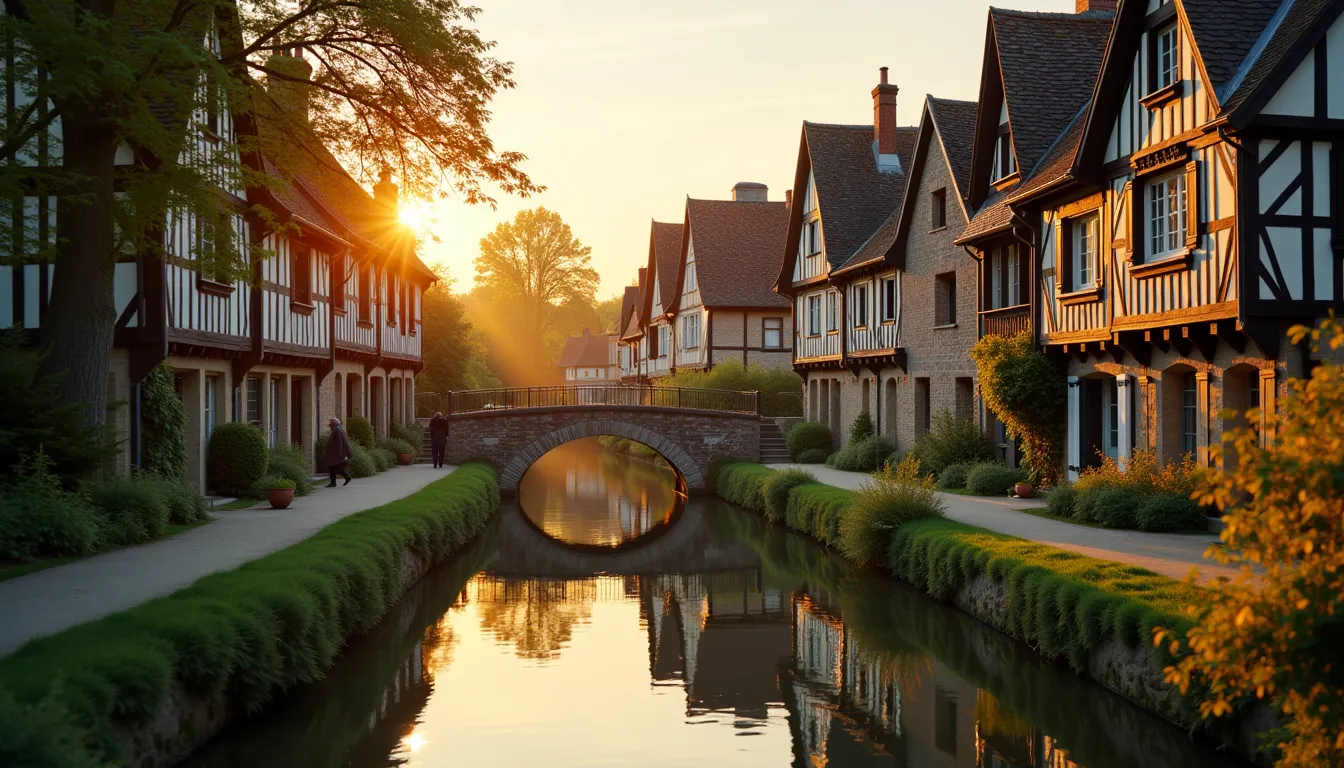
(582, 493)
(769, 651)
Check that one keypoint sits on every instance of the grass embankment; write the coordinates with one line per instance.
(9, 570)
(1064, 604)
(231, 640)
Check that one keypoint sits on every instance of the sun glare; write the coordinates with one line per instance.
(414, 214)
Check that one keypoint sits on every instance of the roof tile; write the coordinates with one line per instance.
(737, 245)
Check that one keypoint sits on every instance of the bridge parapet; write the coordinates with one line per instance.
(582, 395)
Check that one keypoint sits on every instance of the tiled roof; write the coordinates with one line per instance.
(1058, 160)
(1269, 49)
(1049, 63)
(1225, 31)
(667, 260)
(955, 123)
(992, 216)
(855, 198)
(626, 321)
(589, 350)
(737, 247)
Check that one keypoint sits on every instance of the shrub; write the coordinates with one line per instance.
(360, 430)
(1144, 473)
(816, 510)
(163, 425)
(808, 435)
(954, 475)
(1062, 500)
(781, 389)
(775, 491)
(992, 479)
(1084, 504)
(396, 445)
(894, 497)
(952, 441)
(1115, 507)
(1168, 512)
(237, 458)
(1027, 391)
(413, 433)
(864, 456)
(383, 459)
(38, 518)
(132, 509)
(186, 505)
(362, 463)
(289, 462)
(862, 428)
(276, 483)
(811, 456)
(743, 484)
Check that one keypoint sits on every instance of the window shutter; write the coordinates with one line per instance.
(1134, 244)
(1192, 204)
(1063, 264)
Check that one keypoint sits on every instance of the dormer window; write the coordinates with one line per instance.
(1166, 216)
(813, 237)
(1005, 164)
(1166, 60)
(690, 277)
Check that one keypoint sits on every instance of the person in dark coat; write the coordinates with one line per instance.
(338, 453)
(438, 437)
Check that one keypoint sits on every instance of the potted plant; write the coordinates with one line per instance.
(1024, 490)
(279, 491)
(403, 450)
(405, 459)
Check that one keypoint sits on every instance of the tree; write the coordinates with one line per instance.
(452, 348)
(1027, 392)
(399, 84)
(609, 314)
(1277, 632)
(534, 266)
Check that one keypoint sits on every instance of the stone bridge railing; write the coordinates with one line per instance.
(728, 401)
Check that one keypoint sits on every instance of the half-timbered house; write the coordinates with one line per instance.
(1193, 220)
(660, 300)
(725, 307)
(630, 331)
(849, 179)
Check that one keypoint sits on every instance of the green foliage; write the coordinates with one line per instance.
(163, 425)
(396, 446)
(811, 456)
(383, 459)
(863, 456)
(1115, 507)
(235, 638)
(862, 428)
(781, 389)
(360, 432)
(362, 463)
(186, 505)
(1170, 513)
(993, 479)
(33, 419)
(893, 498)
(951, 441)
(237, 458)
(452, 347)
(776, 490)
(412, 433)
(320, 448)
(743, 484)
(289, 461)
(1028, 393)
(132, 509)
(817, 510)
(953, 476)
(1061, 501)
(276, 483)
(808, 436)
(38, 518)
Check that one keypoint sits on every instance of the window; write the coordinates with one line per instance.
(813, 235)
(273, 432)
(211, 404)
(1110, 413)
(252, 397)
(938, 205)
(772, 332)
(690, 277)
(1004, 162)
(366, 295)
(945, 299)
(886, 291)
(1166, 215)
(391, 294)
(1189, 414)
(1014, 278)
(212, 121)
(338, 282)
(832, 311)
(996, 268)
(814, 315)
(923, 406)
(301, 272)
(664, 339)
(690, 331)
(1166, 60)
(1084, 232)
(861, 306)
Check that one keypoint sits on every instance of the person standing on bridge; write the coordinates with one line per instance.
(338, 453)
(438, 437)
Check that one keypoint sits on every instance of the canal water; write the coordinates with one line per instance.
(603, 620)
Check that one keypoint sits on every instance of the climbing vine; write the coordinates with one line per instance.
(1028, 393)
(163, 424)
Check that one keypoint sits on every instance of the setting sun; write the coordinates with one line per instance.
(415, 214)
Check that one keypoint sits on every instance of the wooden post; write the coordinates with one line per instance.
(757, 397)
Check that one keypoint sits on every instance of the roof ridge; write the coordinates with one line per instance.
(1088, 16)
(1261, 43)
(1051, 147)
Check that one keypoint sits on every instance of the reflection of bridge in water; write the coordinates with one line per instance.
(688, 544)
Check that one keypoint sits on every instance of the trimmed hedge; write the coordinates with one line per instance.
(865, 455)
(953, 476)
(743, 483)
(816, 510)
(234, 638)
(362, 463)
(808, 436)
(383, 458)
(237, 458)
(993, 479)
(811, 456)
(1169, 513)
(776, 491)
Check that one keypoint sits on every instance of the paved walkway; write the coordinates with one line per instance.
(57, 598)
(1172, 554)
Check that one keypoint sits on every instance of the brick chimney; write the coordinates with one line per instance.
(788, 198)
(750, 192)
(884, 123)
(385, 191)
(1083, 6)
(291, 96)
(643, 272)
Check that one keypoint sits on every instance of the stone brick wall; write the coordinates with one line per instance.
(690, 440)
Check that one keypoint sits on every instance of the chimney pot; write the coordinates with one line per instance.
(750, 192)
(291, 96)
(385, 191)
(788, 198)
(883, 70)
(884, 117)
(1083, 6)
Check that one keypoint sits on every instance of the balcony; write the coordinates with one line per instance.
(1006, 321)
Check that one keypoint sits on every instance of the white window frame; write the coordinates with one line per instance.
(1086, 235)
(814, 315)
(887, 302)
(778, 331)
(1166, 46)
(1110, 418)
(1189, 414)
(690, 331)
(812, 236)
(832, 311)
(1014, 277)
(690, 277)
(664, 339)
(860, 313)
(1005, 163)
(1167, 210)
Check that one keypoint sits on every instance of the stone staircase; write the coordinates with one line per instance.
(773, 448)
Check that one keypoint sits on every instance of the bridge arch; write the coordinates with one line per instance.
(682, 462)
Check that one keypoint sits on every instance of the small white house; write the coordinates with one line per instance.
(591, 359)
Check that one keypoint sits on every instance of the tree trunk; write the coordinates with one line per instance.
(81, 314)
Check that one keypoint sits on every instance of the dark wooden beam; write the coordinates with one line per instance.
(1157, 339)
(1177, 339)
(1265, 334)
(1081, 353)
(1230, 335)
(1204, 340)
(1135, 344)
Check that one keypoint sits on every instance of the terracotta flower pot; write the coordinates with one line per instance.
(405, 459)
(280, 498)
(1024, 490)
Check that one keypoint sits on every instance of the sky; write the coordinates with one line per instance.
(626, 108)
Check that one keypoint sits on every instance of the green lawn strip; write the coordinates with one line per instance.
(15, 570)
(236, 504)
(1048, 515)
(234, 637)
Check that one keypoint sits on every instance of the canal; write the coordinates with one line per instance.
(602, 620)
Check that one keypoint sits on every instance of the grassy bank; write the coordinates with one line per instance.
(153, 678)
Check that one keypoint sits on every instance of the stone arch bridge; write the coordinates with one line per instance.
(691, 428)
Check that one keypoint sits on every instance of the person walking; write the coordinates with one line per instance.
(438, 437)
(338, 453)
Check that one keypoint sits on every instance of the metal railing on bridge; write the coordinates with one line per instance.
(728, 401)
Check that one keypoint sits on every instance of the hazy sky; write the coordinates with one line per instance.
(624, 108)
